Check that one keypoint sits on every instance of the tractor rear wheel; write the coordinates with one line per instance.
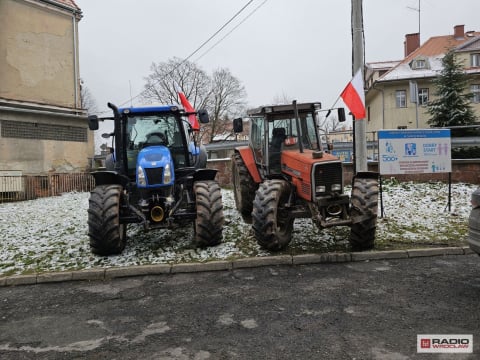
(244, 188)
(209, 221)
(107, 235)
(272, 221)
(364, 208)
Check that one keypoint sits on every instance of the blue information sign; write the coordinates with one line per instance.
(414, 151)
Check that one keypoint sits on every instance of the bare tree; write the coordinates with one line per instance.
(87, 100)
(227, 101)
(222, 94)
(167, 78)
(284, 98)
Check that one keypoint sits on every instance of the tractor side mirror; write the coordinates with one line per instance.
(93, 122)
(203, 116)
(341, 115)
(238, 125)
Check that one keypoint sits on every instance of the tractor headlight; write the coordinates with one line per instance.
(320, 189)
(167, 174)
(142, 181)
(336, 187)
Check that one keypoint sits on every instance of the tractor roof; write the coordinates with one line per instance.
(287, 108)
(149, 109)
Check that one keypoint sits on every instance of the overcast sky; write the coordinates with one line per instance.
(297, 48)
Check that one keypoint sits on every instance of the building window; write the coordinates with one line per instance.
(401, 98)
(419, 64)
(423, 97)
(476, 93)
(401, 127)
(475, 59)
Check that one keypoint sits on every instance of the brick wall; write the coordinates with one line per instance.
(467, 171)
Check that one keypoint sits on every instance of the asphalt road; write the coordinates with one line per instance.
(356, 310)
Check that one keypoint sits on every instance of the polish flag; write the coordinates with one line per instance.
(192, 118)
(354, 96)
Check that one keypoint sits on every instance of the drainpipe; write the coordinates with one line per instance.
(75, 62)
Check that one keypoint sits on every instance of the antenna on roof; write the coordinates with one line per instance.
(130, 85)
(417, 9)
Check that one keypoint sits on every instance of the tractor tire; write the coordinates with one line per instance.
(107, 235)
(201, 158)
(244, 188)
(364, 208)
(209, 221)
(272, 223)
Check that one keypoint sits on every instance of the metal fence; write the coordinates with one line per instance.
(29, 187)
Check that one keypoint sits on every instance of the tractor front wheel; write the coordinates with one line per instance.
(364, 208)
(209, 221)
(107, 235)
(272, 221)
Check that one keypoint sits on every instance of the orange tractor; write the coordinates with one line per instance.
(284, 174)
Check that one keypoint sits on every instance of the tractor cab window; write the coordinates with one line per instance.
(283, 132)
(151, 130)
(310, 133)
(144, 131)
(257, 138)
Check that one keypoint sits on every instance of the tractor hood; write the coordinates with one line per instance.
(155, 165)
(303, 162)
(305, 167)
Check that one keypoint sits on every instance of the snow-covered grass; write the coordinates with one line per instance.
(50, 234)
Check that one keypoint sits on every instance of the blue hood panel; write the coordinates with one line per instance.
(155, 157)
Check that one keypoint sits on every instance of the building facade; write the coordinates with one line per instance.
(397, 92)
(42, 125)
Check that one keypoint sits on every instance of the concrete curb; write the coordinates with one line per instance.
(292, 260)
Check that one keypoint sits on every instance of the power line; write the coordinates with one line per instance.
(227, 34)
(201, 46)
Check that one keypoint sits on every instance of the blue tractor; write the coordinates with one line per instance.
(156, 175)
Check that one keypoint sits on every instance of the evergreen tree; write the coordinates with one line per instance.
(452, 105)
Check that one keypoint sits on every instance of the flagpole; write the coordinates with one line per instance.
(358, 63)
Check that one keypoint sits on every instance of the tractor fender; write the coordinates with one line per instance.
(247, 156)
(365, 175)
(109, 177)
(204, 174)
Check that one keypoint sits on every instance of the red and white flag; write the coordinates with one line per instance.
(192, 118)
(354, 96)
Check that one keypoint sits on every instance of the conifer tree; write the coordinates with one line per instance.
(452, 104)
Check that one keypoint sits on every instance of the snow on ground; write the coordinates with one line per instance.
(50, 234)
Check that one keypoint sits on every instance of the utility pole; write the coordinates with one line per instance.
(358, 63)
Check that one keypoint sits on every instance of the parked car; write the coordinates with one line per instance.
(474, 222)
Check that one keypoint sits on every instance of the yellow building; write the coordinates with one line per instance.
(42, 126)
(390, 94)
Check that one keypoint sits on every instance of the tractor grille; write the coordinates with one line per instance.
(154, 176)
(328, 174)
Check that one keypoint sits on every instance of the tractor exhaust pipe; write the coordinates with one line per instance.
(157, 213)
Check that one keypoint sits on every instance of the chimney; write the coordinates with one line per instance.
(411, 43)
(459, 31)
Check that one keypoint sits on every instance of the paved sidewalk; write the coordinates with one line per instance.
(140, 270)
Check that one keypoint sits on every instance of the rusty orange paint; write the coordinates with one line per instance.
(247, 157)
(299, 166)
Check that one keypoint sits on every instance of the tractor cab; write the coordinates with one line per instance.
(157, 139)
(283, 130)
(279, 130)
